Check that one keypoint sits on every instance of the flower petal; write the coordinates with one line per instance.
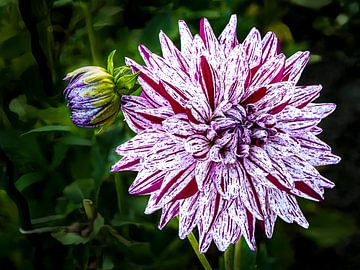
(276, 98)
(236, 70)
(167, 155)
(169, 211)
(210, 41)
(127, 163)
(294, 66)
(228, 35)
(270, 46)
(270, 71)
(189, 215)
(320, 109)
(252, 48)
(186, 39)
(147, 182)
(304, 95)
(174, 183)
(293, 120)
(172, 54)
(141, 144)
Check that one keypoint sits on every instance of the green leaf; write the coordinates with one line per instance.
(110, 62)
(49, 129)
(248, 257)
(28, 179)
(79, 190)
(75, 238)
(107, 264)
(75, 140)
(314, 4)
(69, 238)
(329, 228)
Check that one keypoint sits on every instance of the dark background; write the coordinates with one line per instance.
(56, 165)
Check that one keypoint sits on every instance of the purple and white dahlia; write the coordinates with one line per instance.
(225, 138)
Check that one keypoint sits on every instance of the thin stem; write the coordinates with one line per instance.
(201, 257)
(119, 192)
(237, 256)
(229, 258)
(90, 32)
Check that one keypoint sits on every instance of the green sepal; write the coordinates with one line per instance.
(121, 71)
(128, 83)
(110, 62)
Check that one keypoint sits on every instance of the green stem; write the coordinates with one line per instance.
(119, 192)
(229, 258)
(237, 256)
(200, 256)
(90, 32)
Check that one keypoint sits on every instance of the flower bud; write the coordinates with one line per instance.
(93, 93)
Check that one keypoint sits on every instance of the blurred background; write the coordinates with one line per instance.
(55, 165)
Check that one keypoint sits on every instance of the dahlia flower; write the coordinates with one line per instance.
(93, 93)
(225, 138)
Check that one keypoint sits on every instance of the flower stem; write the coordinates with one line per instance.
(229, 258)
(119, 192)
(237, 256)
(90, 32)
(200, 256)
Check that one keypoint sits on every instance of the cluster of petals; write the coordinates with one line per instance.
(225, 140)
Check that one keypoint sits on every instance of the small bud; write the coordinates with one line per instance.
(91, 97)
(93, 93)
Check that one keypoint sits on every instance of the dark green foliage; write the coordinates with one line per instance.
(56, 165)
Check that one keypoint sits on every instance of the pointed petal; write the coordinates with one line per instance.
(236, 70)
(293, 120)
(141, 144)
(277, 95)
(320, 109)
(228, 36)
(171, 53)
(224, 231)
(286, 207)
(270, 46)
(294, 66)
(304, 95)
(147, 182)
(252, 47)
(210, 41)
(208, 81)
(205, 238)
(152, 205)
(203, 172)
(189, 215)
(270, 71)
(127, 163)
(178, 125)
(139, 115)
(149, 84)
(186, 39)
(174, 183)
(310, 141)
(319, 157)
(169, 211)
(167, 155)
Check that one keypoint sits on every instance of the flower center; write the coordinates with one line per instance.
(230, 134)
